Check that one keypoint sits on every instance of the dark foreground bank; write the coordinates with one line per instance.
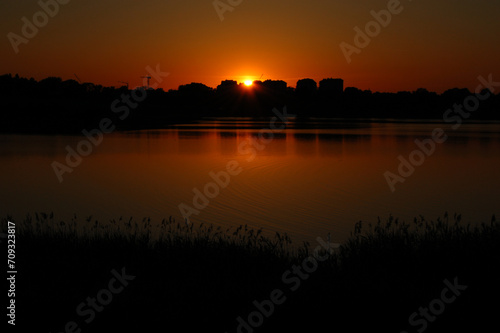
(125, 276)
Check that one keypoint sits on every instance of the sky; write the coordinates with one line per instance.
(429, 44)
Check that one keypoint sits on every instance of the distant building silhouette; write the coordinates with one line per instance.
(227, 84)
(275, 86)
(331, 86)
(306, 87)
(194, 88)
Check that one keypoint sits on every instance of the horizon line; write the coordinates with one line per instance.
(239, 83)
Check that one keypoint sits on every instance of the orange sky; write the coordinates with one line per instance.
(430, 44)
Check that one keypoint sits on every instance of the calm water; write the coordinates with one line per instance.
(306, 182)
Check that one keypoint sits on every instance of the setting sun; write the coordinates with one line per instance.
(248, 83)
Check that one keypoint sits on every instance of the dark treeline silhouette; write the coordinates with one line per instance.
(56, 106)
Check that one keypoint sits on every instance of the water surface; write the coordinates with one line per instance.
(307, 182)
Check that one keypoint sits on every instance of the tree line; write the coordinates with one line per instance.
(67, 106)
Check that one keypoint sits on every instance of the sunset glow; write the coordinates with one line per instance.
(291, 41)
(248, 83)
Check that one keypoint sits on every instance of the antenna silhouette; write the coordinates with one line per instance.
(148, 78)
(77, 78)
(124, 82)
(260, 78)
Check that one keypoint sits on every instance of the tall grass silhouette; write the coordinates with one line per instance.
(204, 276)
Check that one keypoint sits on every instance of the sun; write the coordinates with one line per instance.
(248, 83)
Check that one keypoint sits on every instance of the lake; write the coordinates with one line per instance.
(307, 181)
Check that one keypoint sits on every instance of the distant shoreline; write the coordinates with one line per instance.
(53, 106)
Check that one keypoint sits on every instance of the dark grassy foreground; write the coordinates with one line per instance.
(201, 279)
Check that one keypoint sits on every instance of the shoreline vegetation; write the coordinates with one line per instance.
(54, 106)
(201, 277)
